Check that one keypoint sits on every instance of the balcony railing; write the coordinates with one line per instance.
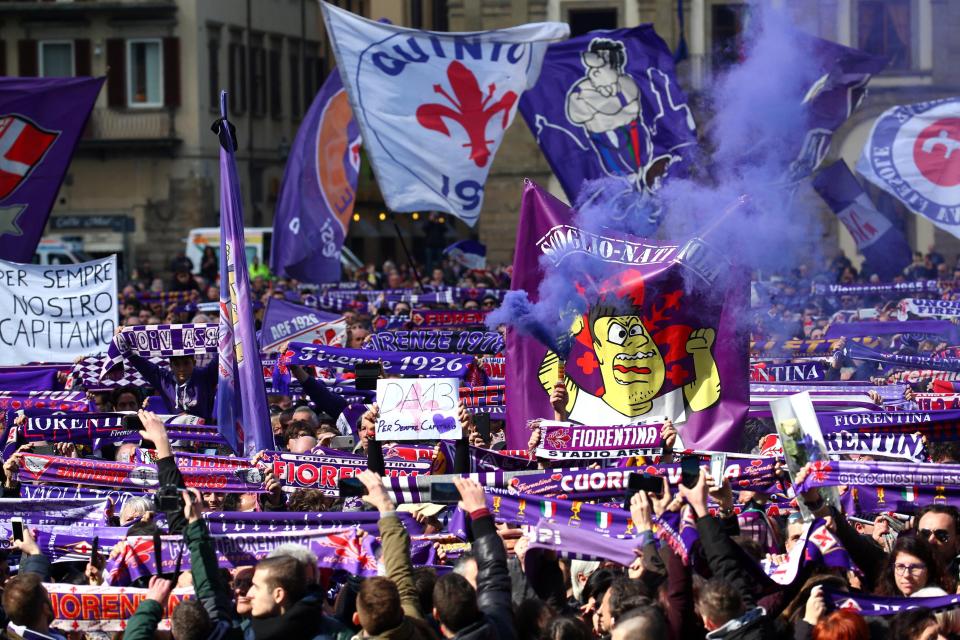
(109, 127)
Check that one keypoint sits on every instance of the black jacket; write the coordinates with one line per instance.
(727, 563)
(304, 620)
(493, 586)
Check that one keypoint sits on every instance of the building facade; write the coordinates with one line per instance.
(147, 170)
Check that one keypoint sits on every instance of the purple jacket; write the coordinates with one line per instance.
(196, 396)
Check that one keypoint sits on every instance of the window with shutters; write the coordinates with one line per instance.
(145, 73)
(295, 80)
(258, 80)
(237, 70)
(276, 85)
(885, 29)
(56, 58)
(213, 68)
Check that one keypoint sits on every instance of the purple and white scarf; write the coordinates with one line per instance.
(162, 340)
(907, 446)
(429, 365)
(55, 492)
(439, 340)
(860, 352)
(579, 543)
(59, 400)
(833, 473)
(920, 286)
(305, 471)
(564, 441)
(102, 608)
(78, 513)
(86, 374)
(879, 328)
(101, 473)
(338, 549)
(871, 605)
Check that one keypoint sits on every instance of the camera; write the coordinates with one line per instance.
(168, 498)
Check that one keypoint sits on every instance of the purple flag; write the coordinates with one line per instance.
(684, 334)
(833, 95)
(40, 379)
(608, 104)
(242, 413)
(285, 321)
(319, 189)
(881, 243)
(41, 120)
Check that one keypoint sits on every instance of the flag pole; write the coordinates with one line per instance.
(410, 262)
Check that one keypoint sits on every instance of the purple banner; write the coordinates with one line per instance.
(36, 380)
(898, 498)
(318, 190)
(270, 521)
(43, 119)
(241, 402)
(78, 513)
(937, 425)
(683, 325)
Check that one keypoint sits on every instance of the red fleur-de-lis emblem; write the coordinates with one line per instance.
(559, 438)
(819, 469)
(471, 110)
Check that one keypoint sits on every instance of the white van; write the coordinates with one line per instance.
(257, 241)
(54, 251)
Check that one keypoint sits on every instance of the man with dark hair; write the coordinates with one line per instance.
(27, 604)
(278, 583)
(462, 612)
(641, 623)
(184, 387)
(727, 602)
(939, 524)
(190, 621)
(378, 606)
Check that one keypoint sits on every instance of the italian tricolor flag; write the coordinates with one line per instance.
(548, 509)
(604, 519)
(909, 494)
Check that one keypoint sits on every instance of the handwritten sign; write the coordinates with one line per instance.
(419, 409)
(56, 313)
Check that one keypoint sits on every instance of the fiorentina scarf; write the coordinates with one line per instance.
(831, 473)
(564, 441)
(59, 400)
(86, 374)
(861, 352)
(304, 471)
(908, 446)
(920, 286)
(937, 425)
(429, 365)
(162, 340)
(871, 605)
(91, 512)
(578, 543)
(287, 521)
(342, 550)
(103, 608)
(102, 473)
(897, 498)
(53, 492)
(925, 307)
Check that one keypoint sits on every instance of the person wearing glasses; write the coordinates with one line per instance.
(910, 567)
(937, 524)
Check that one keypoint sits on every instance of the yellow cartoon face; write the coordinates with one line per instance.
(630, 362)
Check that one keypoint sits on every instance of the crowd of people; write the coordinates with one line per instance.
(488, 575)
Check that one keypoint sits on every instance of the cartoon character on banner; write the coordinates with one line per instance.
(652, 363)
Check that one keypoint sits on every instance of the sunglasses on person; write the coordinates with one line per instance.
(942, 535)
